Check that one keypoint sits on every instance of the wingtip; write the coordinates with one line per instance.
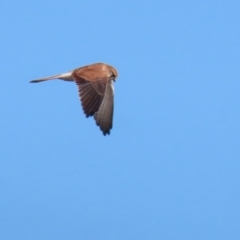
(106, 133)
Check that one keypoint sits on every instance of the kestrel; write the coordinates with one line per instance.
(96, 91)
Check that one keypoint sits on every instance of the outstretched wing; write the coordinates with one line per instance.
(104, 115)
(96, 95)
(91, 99)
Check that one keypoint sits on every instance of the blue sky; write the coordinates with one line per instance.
(170, 168)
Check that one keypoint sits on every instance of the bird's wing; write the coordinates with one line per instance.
(104, 115)
(91, 95)
(96, 94)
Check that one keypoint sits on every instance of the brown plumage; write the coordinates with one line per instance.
(95, 87)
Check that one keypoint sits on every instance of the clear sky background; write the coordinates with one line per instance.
(170, 168)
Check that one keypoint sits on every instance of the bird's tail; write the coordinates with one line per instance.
(65, 76)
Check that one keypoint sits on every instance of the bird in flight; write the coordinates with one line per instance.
(96, 91)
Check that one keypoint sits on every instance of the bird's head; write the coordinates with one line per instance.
(114, 74)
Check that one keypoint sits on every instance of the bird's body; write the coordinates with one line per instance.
(95, 86)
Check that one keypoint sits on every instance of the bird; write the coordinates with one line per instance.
(95, 84)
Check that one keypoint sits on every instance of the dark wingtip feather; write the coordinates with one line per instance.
(106, 133)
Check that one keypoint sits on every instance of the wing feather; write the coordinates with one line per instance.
(104, 115)
(90, 99)
(96, 94)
